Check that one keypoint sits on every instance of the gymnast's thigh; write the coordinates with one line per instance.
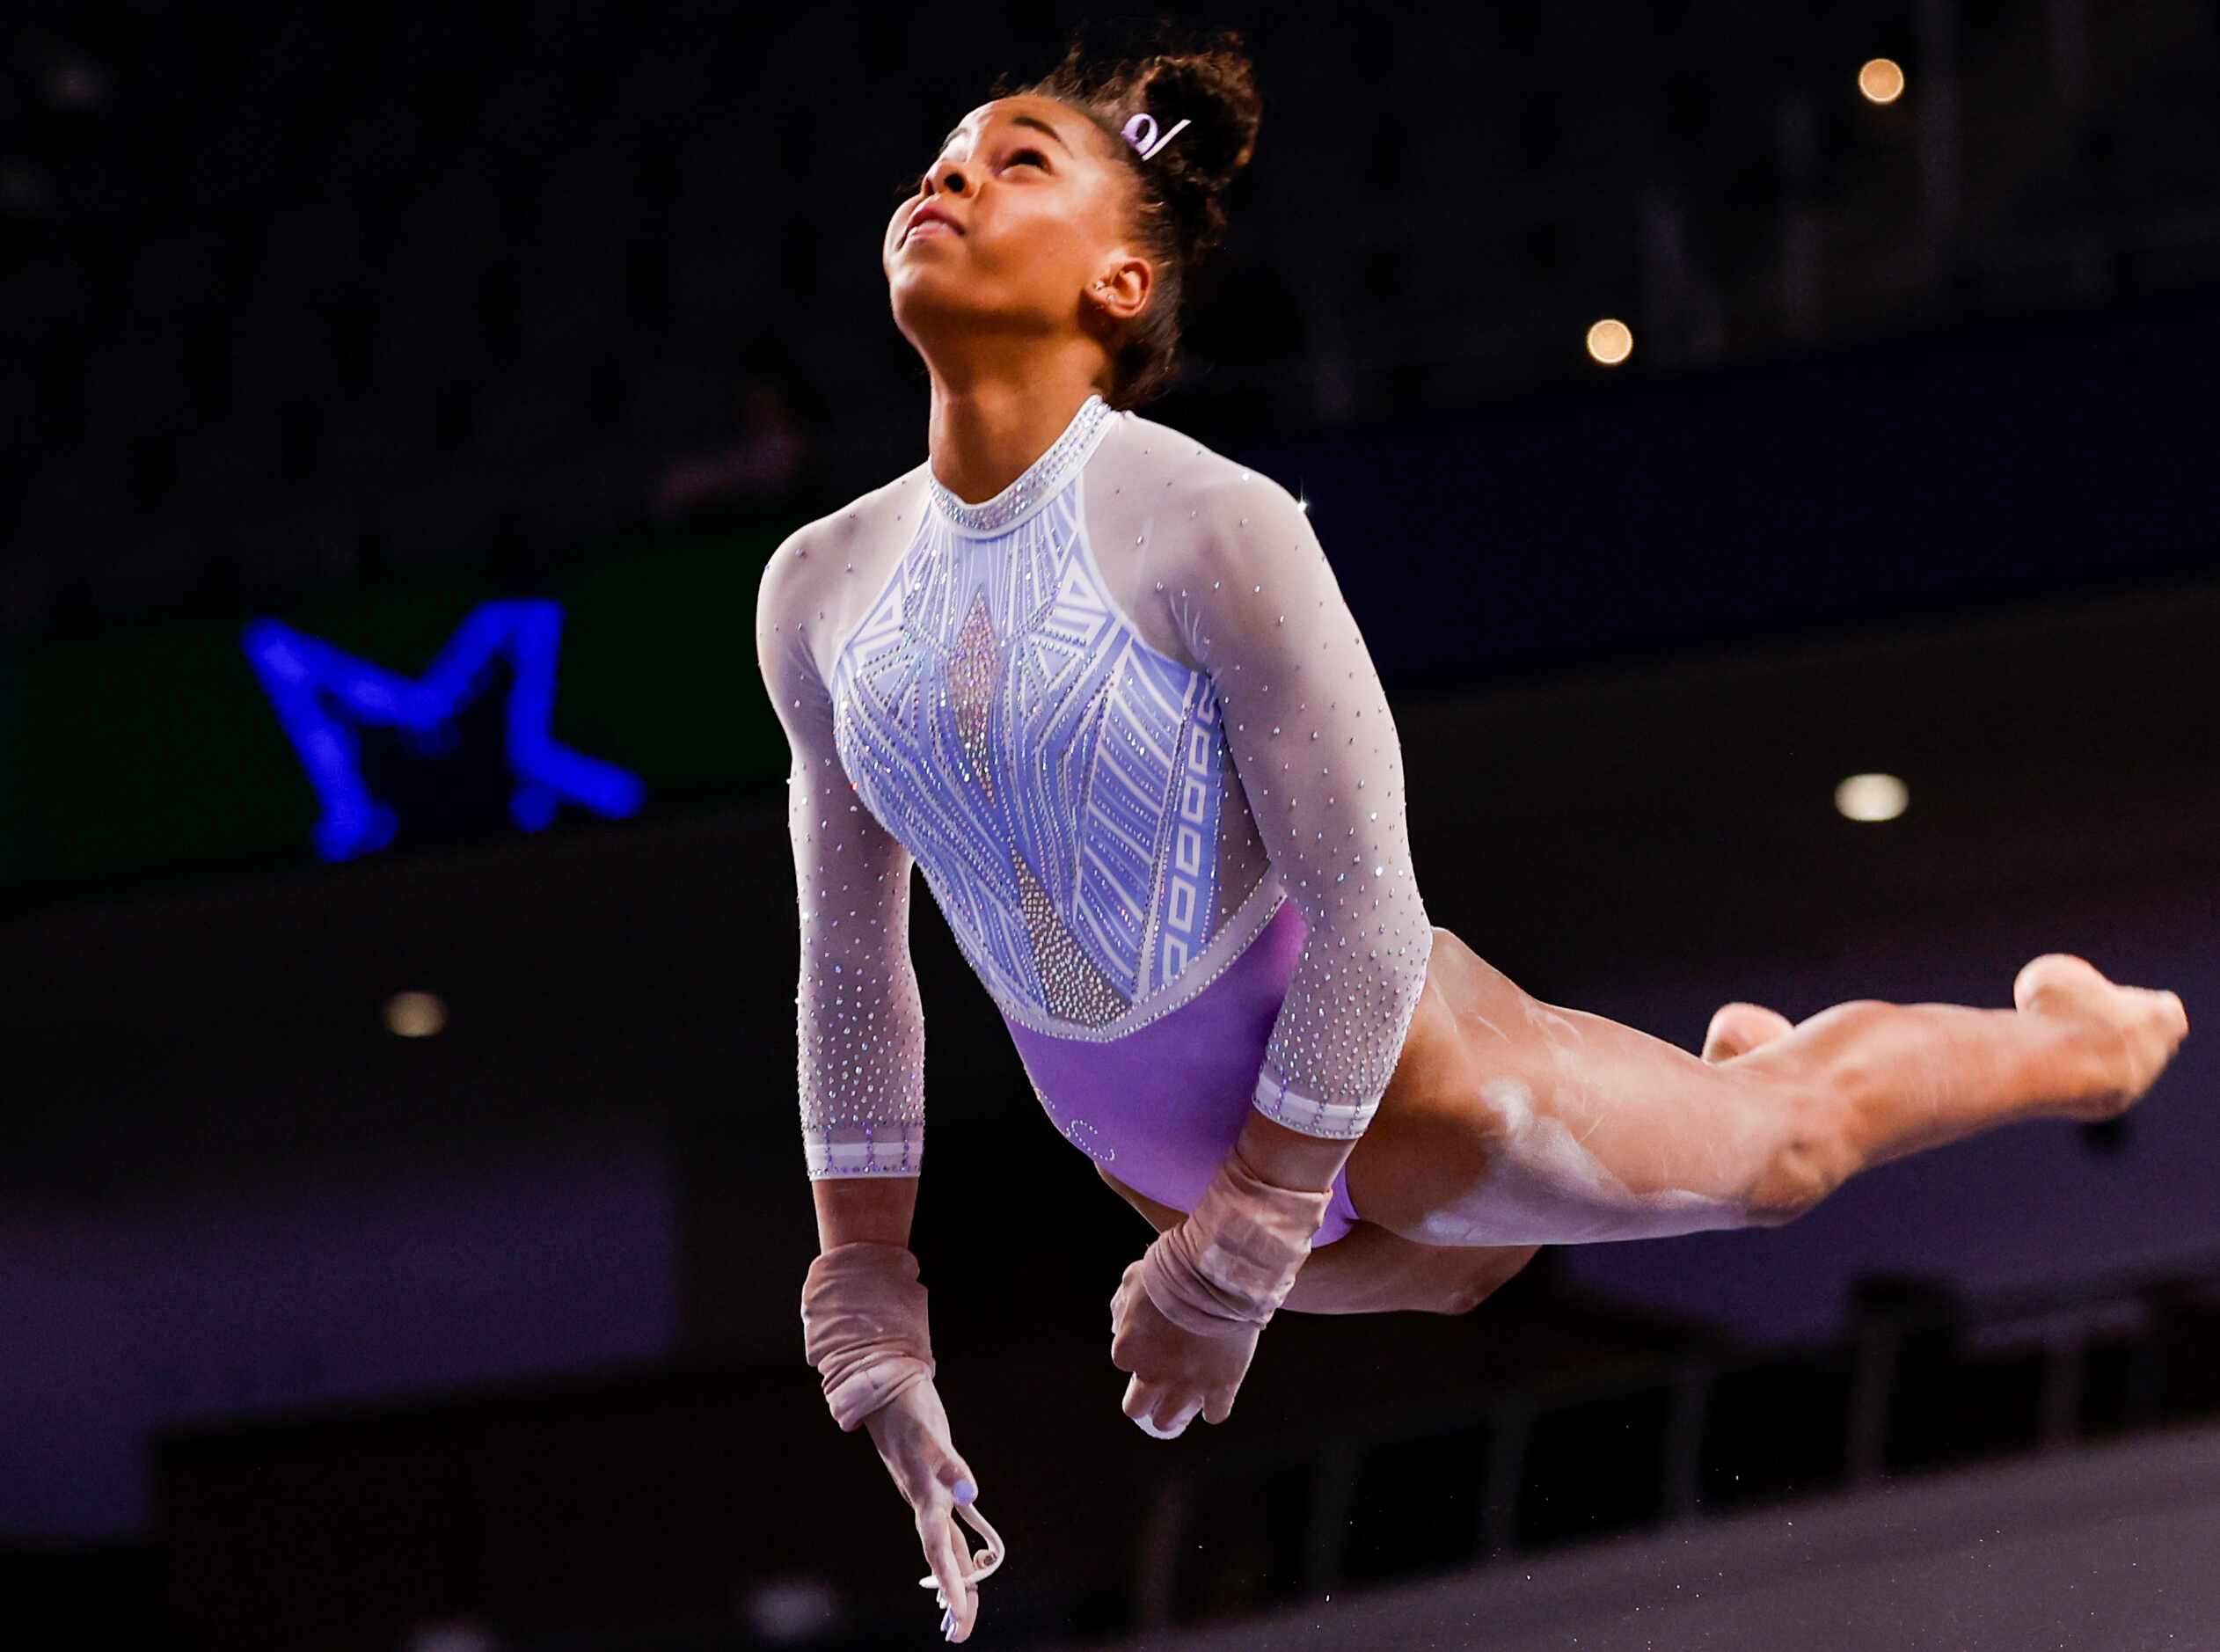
(1512, 1121)
(1371, 1270)
(1423, 1146)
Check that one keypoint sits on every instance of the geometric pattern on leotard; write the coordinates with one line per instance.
(1061, 784)
(971, 688)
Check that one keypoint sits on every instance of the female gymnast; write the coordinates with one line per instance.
(1099, 683)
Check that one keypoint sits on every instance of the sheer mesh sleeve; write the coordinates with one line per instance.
(858, 1022)
(1311, 738)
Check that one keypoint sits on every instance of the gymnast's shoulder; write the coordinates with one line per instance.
(821, 560)
(1234, 515)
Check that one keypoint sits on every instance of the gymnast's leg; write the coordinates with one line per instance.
(1371, 1270)
(1509, 1120)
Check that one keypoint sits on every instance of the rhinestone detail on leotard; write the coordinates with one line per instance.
(1078, 869)
(1039, 483)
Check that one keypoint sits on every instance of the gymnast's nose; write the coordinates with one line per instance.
(950, 177)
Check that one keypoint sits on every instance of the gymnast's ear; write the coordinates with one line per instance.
(1120, 291)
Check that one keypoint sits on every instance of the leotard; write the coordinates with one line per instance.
(1121, 718)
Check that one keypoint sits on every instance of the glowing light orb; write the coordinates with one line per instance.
(414, 1014)
(1610, 342)
(1871, 797)
(1881, 80)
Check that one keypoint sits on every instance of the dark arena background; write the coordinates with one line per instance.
(1771, 451)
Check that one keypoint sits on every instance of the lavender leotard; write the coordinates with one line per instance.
(1120, 720)
(1159, 1108)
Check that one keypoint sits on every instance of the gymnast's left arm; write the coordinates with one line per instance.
(1315, 747)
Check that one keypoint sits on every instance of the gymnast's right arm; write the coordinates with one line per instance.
(860, 1033)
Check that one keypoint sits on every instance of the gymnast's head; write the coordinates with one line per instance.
(1059, 232)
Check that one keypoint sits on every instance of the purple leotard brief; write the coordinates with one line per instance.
(1160, 1107)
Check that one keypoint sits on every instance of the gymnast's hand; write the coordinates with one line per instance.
(911, 1433)
(1176, 1373)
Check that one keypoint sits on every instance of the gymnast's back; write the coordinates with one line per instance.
(1117, 715)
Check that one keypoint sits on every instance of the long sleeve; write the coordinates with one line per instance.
(1308, 726)
(859, 1025)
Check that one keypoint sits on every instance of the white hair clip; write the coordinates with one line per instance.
(1141, 132)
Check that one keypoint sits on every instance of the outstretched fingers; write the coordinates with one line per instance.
(946, 1552)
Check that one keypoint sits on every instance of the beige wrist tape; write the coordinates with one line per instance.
(1232, 1263)
(863, 1327)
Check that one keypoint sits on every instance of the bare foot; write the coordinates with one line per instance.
(2133, 1031)
(1738, 1028)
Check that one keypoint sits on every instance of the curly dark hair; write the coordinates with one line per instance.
(1208, 81)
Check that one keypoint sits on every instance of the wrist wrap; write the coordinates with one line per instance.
(862, 1325)
(1232, 1263)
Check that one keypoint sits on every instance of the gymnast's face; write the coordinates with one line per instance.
(1038, 205)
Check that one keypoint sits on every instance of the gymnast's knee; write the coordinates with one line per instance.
(1807, 1159)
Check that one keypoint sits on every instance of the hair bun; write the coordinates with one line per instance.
(1205, 80)
(1172, 75)
(1215, 90)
